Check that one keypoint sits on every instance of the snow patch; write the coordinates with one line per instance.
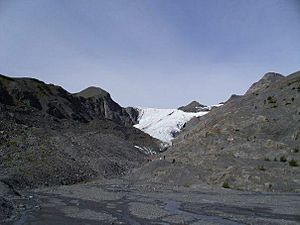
(214, 106)
(147, 151)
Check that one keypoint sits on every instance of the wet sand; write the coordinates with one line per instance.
(119, 202)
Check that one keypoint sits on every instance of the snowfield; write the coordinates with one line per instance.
(163, 124)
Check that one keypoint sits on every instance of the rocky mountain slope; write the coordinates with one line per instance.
(252, 142)
(103, 105)
(194, 106)
(49, 136)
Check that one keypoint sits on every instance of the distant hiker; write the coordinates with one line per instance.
(173, 161)
(164, 157)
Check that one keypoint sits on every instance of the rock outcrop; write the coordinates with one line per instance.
(49, 136)
(101, 103)
(194, 106)
(252, 142)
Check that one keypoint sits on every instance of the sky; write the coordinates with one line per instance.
(151, 53)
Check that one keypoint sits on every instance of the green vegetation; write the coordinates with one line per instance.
(271, 100)
(283, 159)
(296, 150)
(6, 78)
(41, 92)
(187, 185)
(28, 174)
(225, 184)
(293, 163)
(30, 157)
(11, 144)
(262, 168)
(267, 159)
(8, 162)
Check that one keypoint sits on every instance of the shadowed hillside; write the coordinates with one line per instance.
(49, 136)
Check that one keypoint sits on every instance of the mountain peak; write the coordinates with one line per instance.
(193, 106)
(93, 91)
(265, 81)
(272, 76)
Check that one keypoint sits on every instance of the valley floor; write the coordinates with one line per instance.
(120, 202)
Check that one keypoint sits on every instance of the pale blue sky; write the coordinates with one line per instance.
(156, 53)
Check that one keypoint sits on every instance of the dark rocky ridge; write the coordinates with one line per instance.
(252, 142)
(6, 208)
(102, 104)
(49, 136)
(133, 113)
(108, 108)
(194, 106)
(89, 104)
(264, 82)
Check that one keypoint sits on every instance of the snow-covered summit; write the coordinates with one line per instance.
(163, 124)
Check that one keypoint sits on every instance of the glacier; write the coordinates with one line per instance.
(163, 124)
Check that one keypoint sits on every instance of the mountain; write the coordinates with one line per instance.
(252, 142)
(163, 124)
(194, 106)
(94, 92)
(50, 136)
(103, 105)
(53, 100)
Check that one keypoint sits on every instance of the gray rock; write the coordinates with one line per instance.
(194, 106)
(49, 136)
(243, 143)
